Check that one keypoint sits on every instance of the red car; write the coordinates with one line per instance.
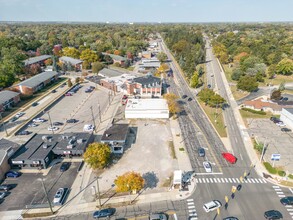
(229, 157)
(68, 94)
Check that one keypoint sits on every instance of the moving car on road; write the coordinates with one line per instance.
(273, 214)
(35, 104)
(212, 205)
(287, 200)
(104, 213)
(64, 166)
(229, 157)
(207, 166)
(12, 174)
(19, 114)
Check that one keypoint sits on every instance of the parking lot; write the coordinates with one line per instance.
(77, 106)
(28, 188)
(278, 142)
(148, 154)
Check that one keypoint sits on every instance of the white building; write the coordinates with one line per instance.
(147, 108)
(287, 116)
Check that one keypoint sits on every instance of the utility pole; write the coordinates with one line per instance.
(51, 125)
(93, 117)
(46, 193)
(100, 116)
(98, 188)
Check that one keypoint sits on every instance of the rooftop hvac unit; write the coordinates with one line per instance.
(71, 141)
(64, 137)
(73, 137)
(79, 141)
(108, 135)
(44, 138)
(45, 146)
(70, 146)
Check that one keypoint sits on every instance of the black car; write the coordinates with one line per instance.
(275, 120)
(24, 133)
(5, 187)
(57, 123)
(72, 120)
(184, 96)
(201, 152)
(35, 104)
(53, 91)
(189, 99)
(65, 166)
(286, 129)
(273, 214)
(287, 200)
(104, 213)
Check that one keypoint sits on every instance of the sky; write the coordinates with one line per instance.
(147, 10)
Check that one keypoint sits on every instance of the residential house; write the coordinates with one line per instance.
(8, 99)
(116, 58)
(37, 60)
(116, 137)
(75, 63)
(36, 83)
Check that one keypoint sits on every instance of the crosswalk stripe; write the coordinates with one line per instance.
(279, 192)
(192, 210)
(189, 200)
(256, 180)
(234, 180)
(288, 206)
(290, 210)
(230, 180)
(211, 180)
(248, 180)
(219, 180)
(191, 207)
(207, 180)
(237, 180)
(252, 180)
(260, 180)
(291, 213)
(199, 180)
(203, 180)
(276, 187)
(196, 180)
(190, 203)
(281, 196)
(193, 214)
(193, 218)
(264, 180)
(215, 179)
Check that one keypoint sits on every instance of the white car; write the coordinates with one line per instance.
(58, 196)
(88, 128)
(52, 128)
(32, 125)
(19, 114)
(207, 166)
(281, 124)
(39, 120)
(212, 205)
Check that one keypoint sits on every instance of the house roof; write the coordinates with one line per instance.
(5, 95)
(37, 59)
(6, 144)
(115, 57)
(70, 60)
(260, 104)
(38, 79)
(117, 132)
(147, 80)
(110, 73)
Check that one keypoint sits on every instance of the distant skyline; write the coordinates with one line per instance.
(147, 10)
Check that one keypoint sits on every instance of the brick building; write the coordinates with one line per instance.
(8, 99)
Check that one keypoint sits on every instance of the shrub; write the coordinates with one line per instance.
(254, 111)
(258, 146)
(269, 168)
(281, 173)
(290, 176)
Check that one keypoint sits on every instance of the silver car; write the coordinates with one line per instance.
(158, 216)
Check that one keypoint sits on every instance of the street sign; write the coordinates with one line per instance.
(276, 157)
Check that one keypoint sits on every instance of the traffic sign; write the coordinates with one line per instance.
(276, 157)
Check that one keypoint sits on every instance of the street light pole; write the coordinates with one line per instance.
(263, 151)
(98, 188)
(93, 117)
(51, 125)
(46, 193)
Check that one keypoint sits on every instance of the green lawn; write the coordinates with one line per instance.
(216, 117)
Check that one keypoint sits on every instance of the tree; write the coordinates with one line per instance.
(276, 95)
(282, 86)
(129, 182)
(97, 155)
(89, 56)
(285, 67)
(194, 80)
(162, 57)
(97, 66)
(69, 83)
(71, 52)
(236, 74)
(48, 62)
(272, 71)
(77, 79)
(210, 98)
(172, 103)
(247, 83)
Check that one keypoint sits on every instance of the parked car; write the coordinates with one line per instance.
(35, 104)
(53, 128)
(60, 196)
(92, 87)
(273, 118)
(229, 157)
(53, 91)
(39, 120)
(287, 200)
(3, 194)
(19, 114)
(13, 174)
(212, 205)
(68, 94)
(104, 213)
(286, 129)
(189, 99)
(5, 187)
(32, 125)
(230, 218)
(56, 123)
(158, 216)
(207, 166)
(88, 128)
(24, 133)
(13, 119)
(184, 96)
(273, 214)
(88, 90)
(72, 120)
(201, 152)
(65, 166)
(281, 124)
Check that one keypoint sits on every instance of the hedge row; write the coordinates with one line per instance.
(290, 176)
(269, 168)
(254, 111)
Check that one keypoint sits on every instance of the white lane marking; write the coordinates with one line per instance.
(189, 200)
(279, 192)
(276, 187)
(241, 157)
(175, 216)
(291, 190)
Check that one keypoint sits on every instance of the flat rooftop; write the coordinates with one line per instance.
(146, 104)
(117, 132)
